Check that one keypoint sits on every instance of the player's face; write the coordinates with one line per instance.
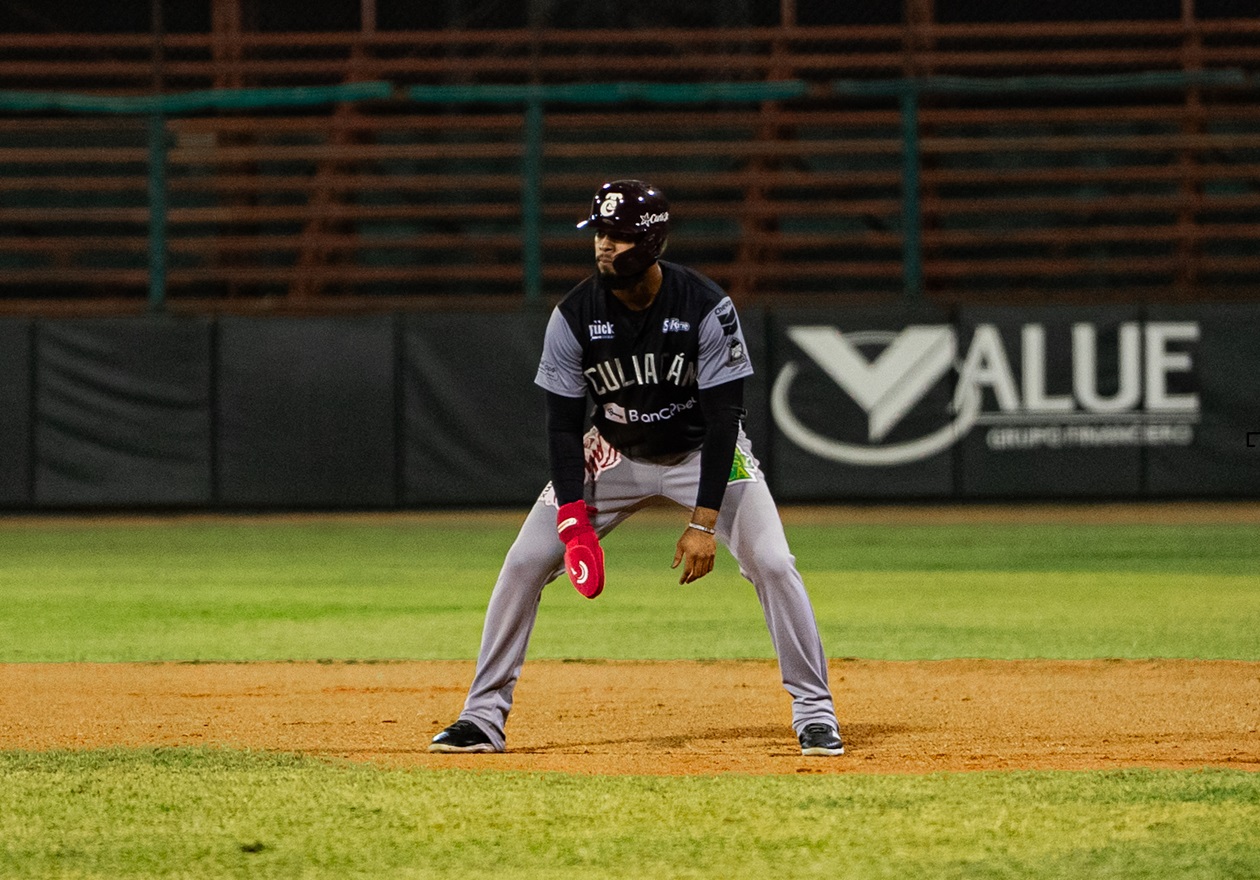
(606, 250)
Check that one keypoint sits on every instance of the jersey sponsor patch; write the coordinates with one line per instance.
(615, 413)
(675, 325)
(734, 352)
(602, 330)
(743, 468)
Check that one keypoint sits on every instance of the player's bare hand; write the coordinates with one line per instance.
(697, 549)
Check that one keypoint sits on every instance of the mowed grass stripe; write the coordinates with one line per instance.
(195, 813)
(279, 591)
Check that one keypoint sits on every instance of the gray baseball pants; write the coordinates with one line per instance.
(748, 525)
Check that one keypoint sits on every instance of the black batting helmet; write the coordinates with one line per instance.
(636, 211)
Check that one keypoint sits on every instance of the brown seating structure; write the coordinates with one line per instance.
(1033, 195)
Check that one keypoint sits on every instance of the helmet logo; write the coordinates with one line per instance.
(649, 219)
(612, 201)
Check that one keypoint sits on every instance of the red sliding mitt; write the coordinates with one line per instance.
(583, 557)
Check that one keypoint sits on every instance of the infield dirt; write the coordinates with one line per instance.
(662, 717)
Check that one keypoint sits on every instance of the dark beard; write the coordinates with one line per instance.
(612, 281)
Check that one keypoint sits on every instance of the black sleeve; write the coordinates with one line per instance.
(566, 417)
(723, 408)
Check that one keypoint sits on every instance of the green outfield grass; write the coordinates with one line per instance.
(192, 813)
(264, 590)
(261, 589)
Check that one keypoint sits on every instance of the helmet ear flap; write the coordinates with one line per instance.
(639, 258)
(633, 261)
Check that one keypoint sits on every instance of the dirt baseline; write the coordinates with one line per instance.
(662, 717)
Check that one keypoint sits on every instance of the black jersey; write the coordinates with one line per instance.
(644, 369)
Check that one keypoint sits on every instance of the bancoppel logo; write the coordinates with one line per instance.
(664, 414)
(602, 330)
(649, 219)
(615, 413)
(889, 375)
(675, 325)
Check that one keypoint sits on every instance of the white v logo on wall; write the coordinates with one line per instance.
(1139, 399)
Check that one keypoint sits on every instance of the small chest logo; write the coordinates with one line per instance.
(675, 325)
(602, 330)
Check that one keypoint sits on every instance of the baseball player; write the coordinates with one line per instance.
(657, 348)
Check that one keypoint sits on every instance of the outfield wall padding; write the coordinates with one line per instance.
(1224, 375)
(122, 412)
(16, 375)
(306, 412)
(439, 409)
(472, 415)
(757, 424)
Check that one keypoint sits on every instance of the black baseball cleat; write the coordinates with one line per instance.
(462, 736)
(820, 739)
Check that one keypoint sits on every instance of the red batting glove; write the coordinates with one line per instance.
(583, 557)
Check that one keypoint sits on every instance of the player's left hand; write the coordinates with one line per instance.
(696, 548)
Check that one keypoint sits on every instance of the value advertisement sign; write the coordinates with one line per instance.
(1013, 402)
(1067, 400)
(861, 402)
